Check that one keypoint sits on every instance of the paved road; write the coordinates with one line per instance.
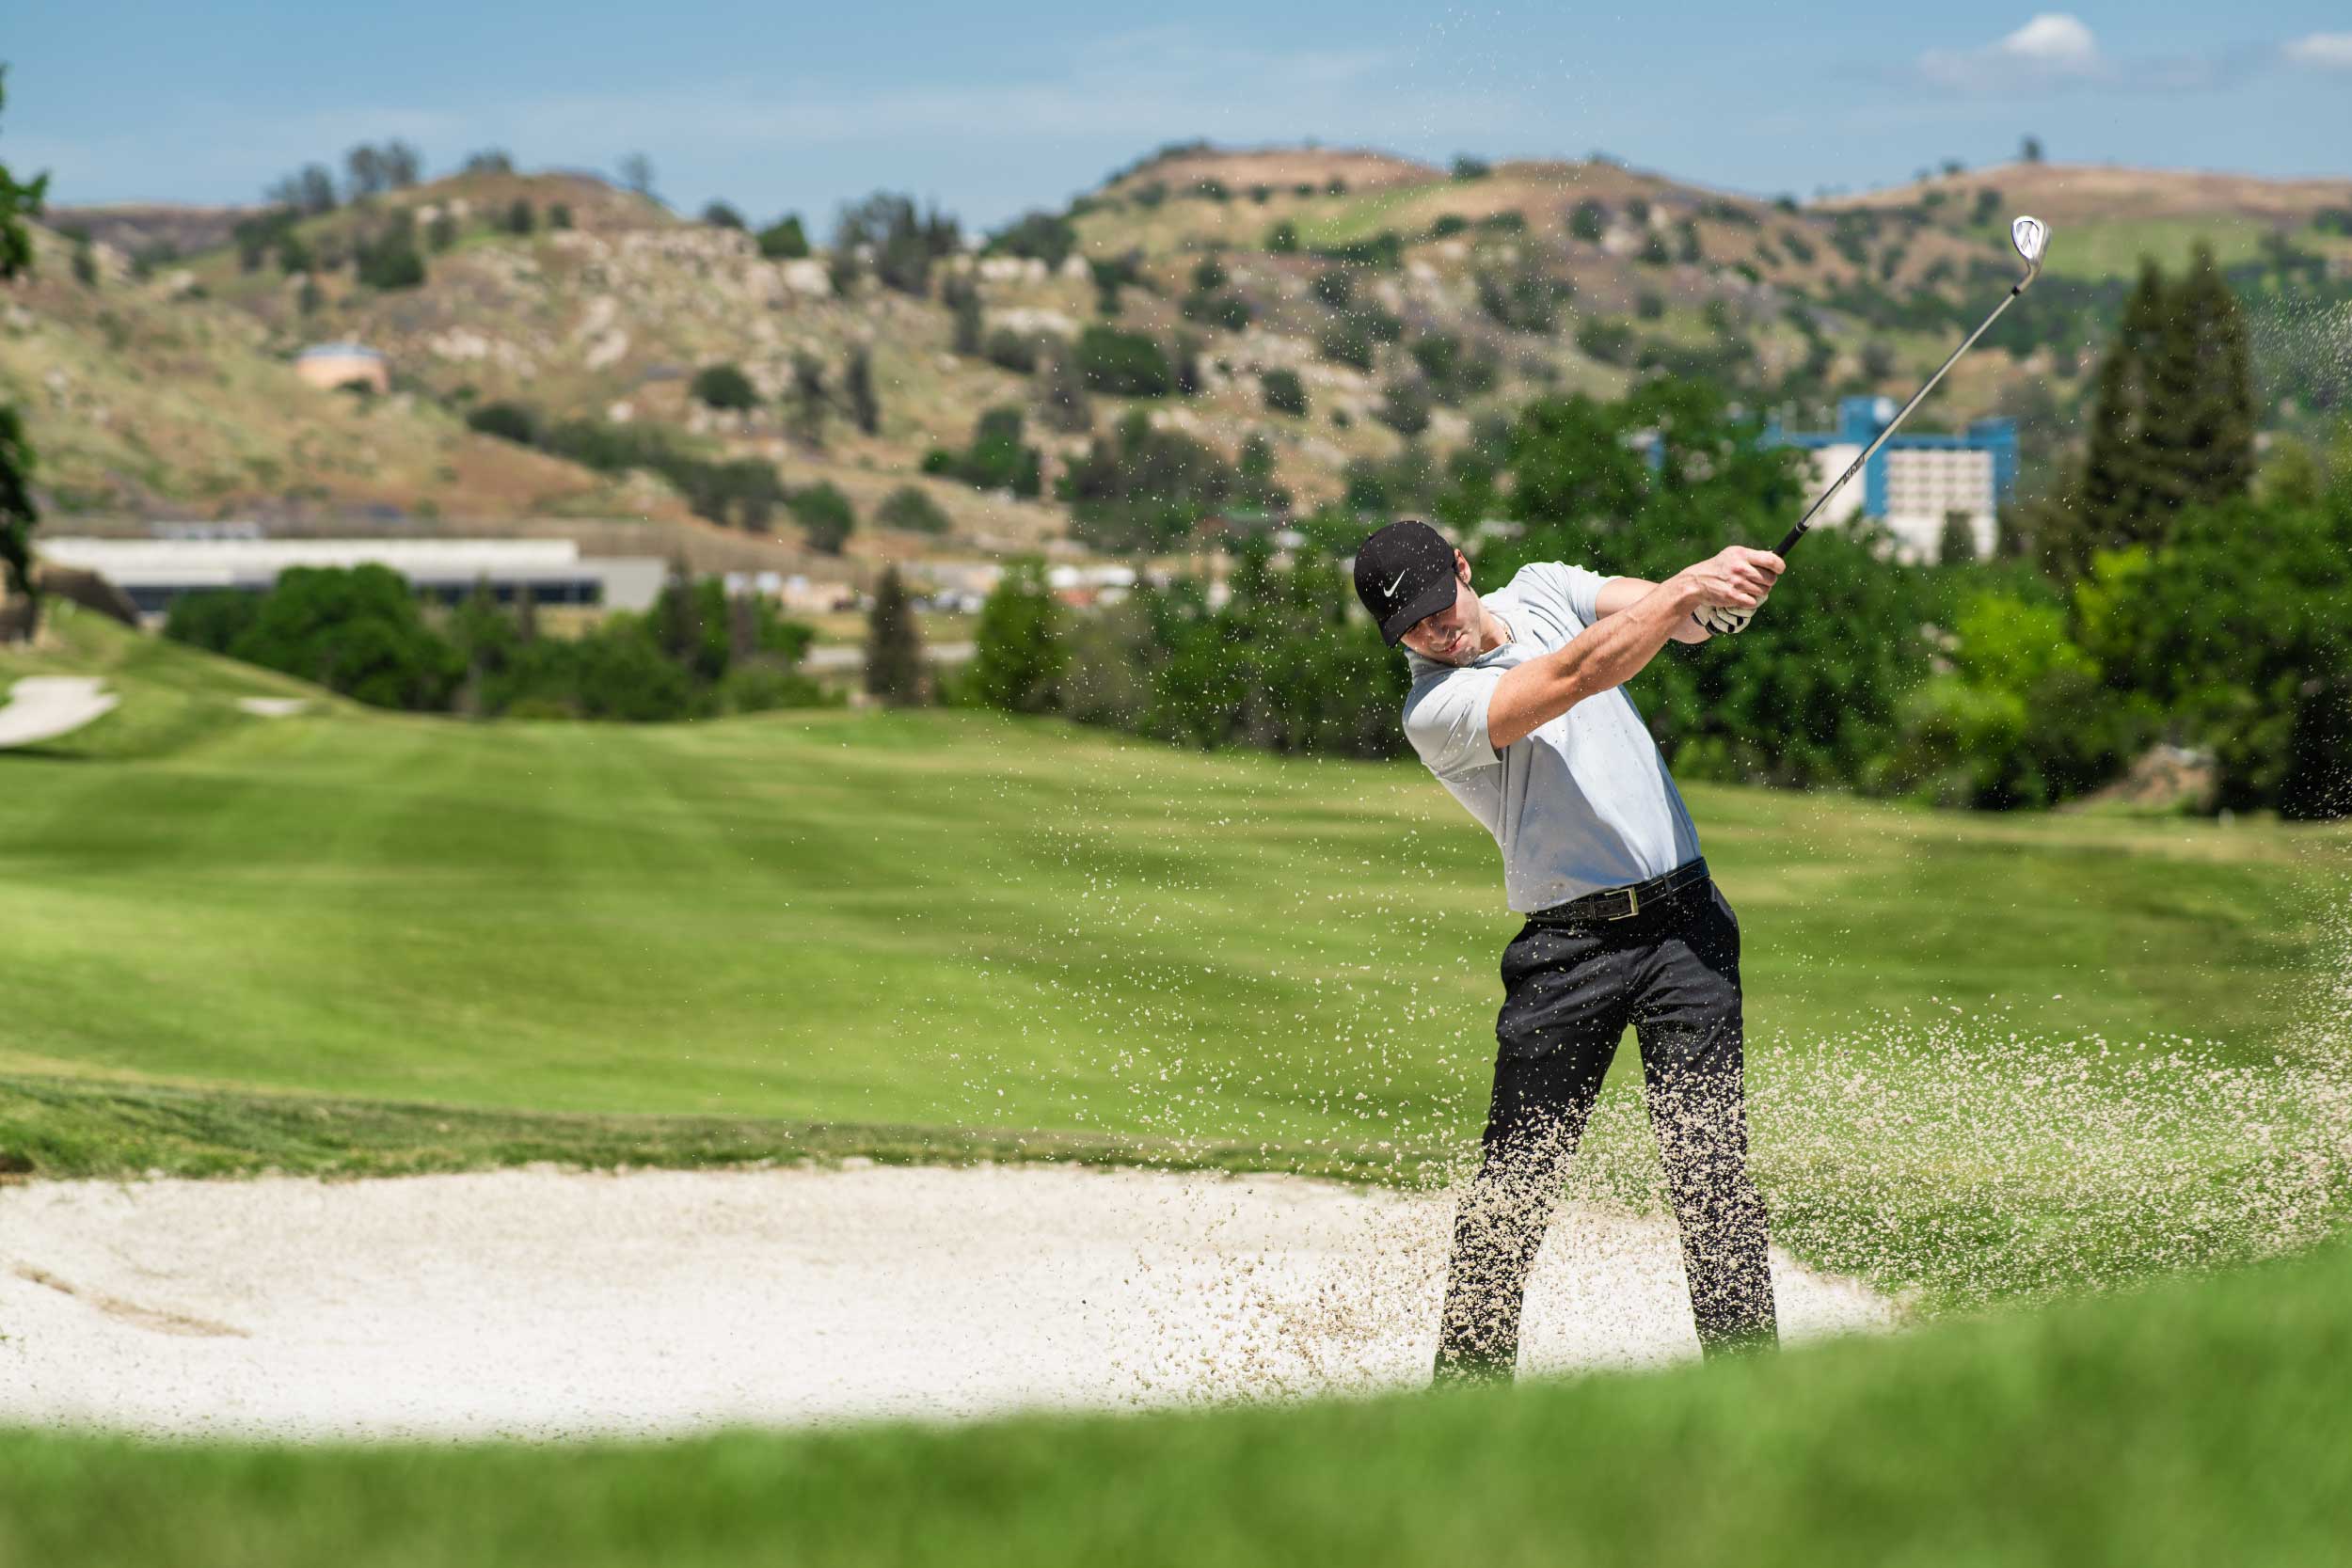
(43, 707)
(852, 656)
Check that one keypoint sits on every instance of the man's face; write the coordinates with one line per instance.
(1449, 636)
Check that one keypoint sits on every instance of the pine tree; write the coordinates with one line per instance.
(1063, 403)
(678, 620)
(808, 402)
(893, 647)
(857, 385)
(1018, 655)
(2116, 492)
(2218, 456)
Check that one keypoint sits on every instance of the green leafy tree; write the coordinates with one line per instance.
(1017, 654)
(20, 199)
(357, 631)
(896, 673)
(784, 240)
(520, 219)
(720, 215)
(825, 516)
(1047, 237)
(903, 240)
(1284, 392)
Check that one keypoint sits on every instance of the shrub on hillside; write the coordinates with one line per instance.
(1013, 351)
(1062, 394)
(1404, 405)
(508, 422)
(391, 263)
(825, 514)
(719, 215)
(1284, 392)
(912, 509)
(1047, 237)
(1127, 364)
(1144, 488)
(998, 459)
(724, 386)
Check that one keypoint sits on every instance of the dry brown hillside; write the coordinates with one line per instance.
(146, 396)
(2075, 194)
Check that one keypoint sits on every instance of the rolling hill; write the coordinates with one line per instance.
(1411, 302)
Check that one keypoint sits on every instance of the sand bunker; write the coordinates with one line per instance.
(544, 1304)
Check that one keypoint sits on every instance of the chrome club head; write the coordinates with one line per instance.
(2031, 236)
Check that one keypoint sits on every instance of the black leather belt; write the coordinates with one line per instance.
(1622, 903)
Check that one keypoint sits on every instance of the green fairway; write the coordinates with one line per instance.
(2199, 1423)
(956, 921)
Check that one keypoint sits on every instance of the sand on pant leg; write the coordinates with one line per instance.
(544, 1304)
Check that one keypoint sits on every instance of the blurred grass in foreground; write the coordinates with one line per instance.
(2200, 1421)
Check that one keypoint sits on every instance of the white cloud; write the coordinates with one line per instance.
(2327, 51)
(2054, 47)
(2054, 42)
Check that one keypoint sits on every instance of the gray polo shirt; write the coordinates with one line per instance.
(1582, 803)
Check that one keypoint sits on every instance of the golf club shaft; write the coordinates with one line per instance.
(1856, 466)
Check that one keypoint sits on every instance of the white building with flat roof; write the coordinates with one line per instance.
(154, 572)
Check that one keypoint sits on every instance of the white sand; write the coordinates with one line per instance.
(43, 707)
(544, 1304)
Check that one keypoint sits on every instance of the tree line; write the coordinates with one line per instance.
(2166, 592)
(698, 653)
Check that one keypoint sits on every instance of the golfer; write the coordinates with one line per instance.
(1517, 707)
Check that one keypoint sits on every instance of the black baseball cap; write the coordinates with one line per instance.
(1403, 574)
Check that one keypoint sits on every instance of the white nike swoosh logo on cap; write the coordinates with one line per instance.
(1389, 591)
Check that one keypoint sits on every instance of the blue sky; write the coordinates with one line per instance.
(992, 109)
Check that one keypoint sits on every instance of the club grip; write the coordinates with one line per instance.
(1789, 543)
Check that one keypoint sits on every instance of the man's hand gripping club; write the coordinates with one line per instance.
(1724, 612)
(1614, 650)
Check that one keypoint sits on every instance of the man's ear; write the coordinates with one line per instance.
(1461, 566)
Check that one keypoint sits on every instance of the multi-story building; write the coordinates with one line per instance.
(1915, 483)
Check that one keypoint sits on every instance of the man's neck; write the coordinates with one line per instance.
(1492, 633)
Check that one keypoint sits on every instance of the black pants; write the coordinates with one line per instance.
(1673, 972)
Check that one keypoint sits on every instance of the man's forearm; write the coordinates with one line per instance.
(1599, 658)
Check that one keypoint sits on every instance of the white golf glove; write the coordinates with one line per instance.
(1724, 620)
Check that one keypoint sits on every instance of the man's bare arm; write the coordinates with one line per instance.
(1613, 651)
(1623, 593)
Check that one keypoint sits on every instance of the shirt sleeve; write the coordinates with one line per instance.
(1579, 588)
(1446, 721)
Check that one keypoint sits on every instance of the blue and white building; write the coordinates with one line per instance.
(1915, 482)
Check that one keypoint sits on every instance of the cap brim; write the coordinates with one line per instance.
(1430, 600)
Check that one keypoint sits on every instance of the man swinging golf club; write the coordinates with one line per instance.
(1517, 707)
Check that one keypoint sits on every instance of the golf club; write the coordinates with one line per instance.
(2031, 237)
